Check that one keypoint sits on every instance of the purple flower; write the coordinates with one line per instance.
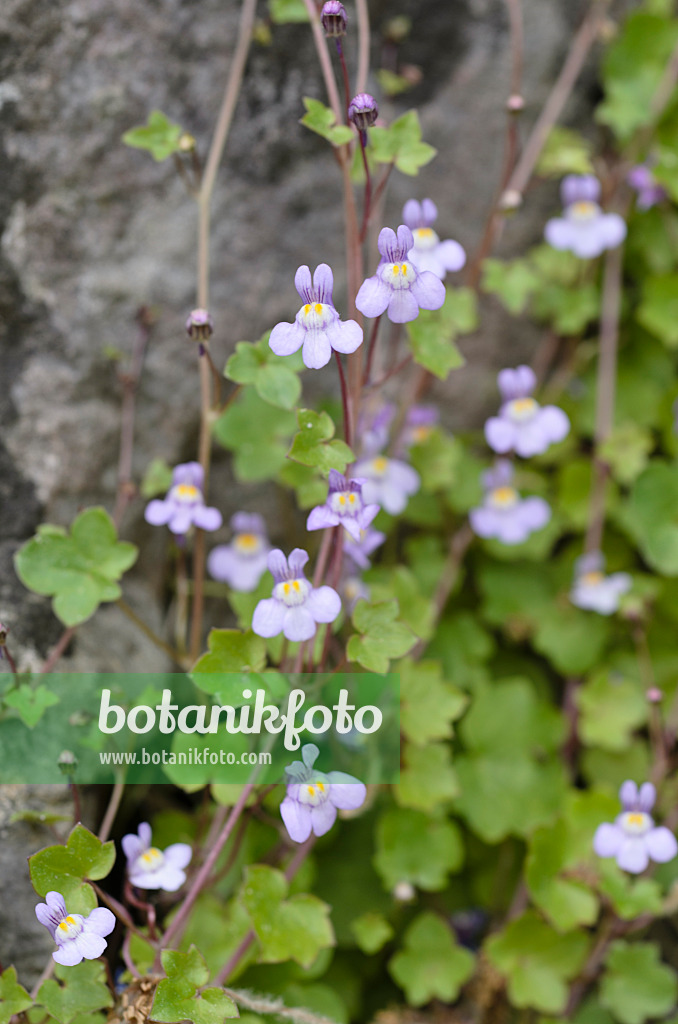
(352, 590)
(344, 506)
(419, 423)
(78, 938)
(593, 590)
(388, 482)
(363, 111)
(333, 19)
(184, 505)
(199, 326)
(504, 514)
(244, 561)
(584, 229)
(359, 551)
(374, 428)
(523, 425)
(428, 252)
(633, 839)
(295, 606)
(649, 191)
(150, 868)
(398, 287)
(317, 325)
(313, 797)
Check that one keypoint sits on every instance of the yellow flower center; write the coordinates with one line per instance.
(504, 497)
(425, 239)
(186, 492)
(64, 925)
(592, 579)
(583, 210)
(151, 858)
(247, 543)
(380, 465)
(422, 432)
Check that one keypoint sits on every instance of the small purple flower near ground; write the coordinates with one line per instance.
(428, 252)
(387, 482)
(584, 229)
(523, 425)
(352, 590)
(317, 327)
(78, 938)
(419, 423)
(648, 190)
(398, 288)
(150, 868)
(184, 505)
(244, 561)
(295, 605)
(313, 797)
(633, 839)
(593, 590)
(359, 551)
(374, 429)
(504, 514)
(344, 506)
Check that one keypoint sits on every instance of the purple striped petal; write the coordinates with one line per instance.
(387, 243)
(646, 797)
(302, 282)
(413, 214)
(297, 560)
(277, 565)
(628, 795)
(320, 518)
(579, 187)
(323, 283)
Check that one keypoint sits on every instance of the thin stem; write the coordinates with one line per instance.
(325, 62)
(4, 650)
(130, 385)
(58, 650)
(75, 794)
(459, 545)
(367, 207)
(127, 955)
(148, 632)
(605, 391)
(118, 909)
(393, 372)
(363, 45)
(344, 400)
(370, 350)
(344, 74)
(111, 810)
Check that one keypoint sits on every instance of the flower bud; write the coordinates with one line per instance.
(67, 762)
(654, 695)
(404, 892)
(363, 111)
(199, 325)
(333, 18)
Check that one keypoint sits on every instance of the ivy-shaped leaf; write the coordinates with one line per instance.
(432, 965)
(64, 869)
(257, 433)
(512, 282)
(295, 929)
(31, 704)
(274, 377)
(565, 152)
(414, 847)
(372, 931)
(313, 445)
(286, 12)
(230, 651)
(77, 990)
(636, 984)
(433, 334)
(176, 997)
(79, 571)
(401, 144)
(429, 703)
(321, 119)
(13, 997)
(159, 136)
(380, 638)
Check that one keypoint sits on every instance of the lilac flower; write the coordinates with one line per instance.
(352, 590)
(374, 428)
(359, 551)
(344, 506)
(504, 514)
(398, 288)
(593, 590)
(78, 938)
(523, 425)
(363, 111)
(150, 868)
(295, 606)
(584, 229)
(317, 325)
(633, 838)
(428, 252)
(388, 482)
(313, 797)
(649, 191)
(419, 422)
(184, 505)
(244, 561)
(333, 19)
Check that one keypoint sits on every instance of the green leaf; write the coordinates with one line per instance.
(537, 962)
(567, 902)
(427, 778)
(80, 989)
(413, 847)
(611, 708)
(157, 479)
(31, 704)
(512, 282)
(626, 451)
(159, 136)
(658, 310)
(432, 334)
(429, 703)
(431, 965)
(257, 433)
(392, 84)
(285, 12)
(651, 515)
(65, 868)
(401, 144)
(313, 446)
(13, 997)
(229, 651)
(372, 931)
(565, 152)
(630, 897)
(274, 381)
(636, 985)
(573, 640)
(436, 459)
(321, 119)
(176, 997)
(79, 571)
(297, 929)
(381, 637)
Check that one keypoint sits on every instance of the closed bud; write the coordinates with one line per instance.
(363, 111)
(199, 325)
(333, 18)
(67, 762)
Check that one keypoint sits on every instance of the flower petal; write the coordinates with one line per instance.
(302, 282)
(646, 797)
(158, 513)
(320, 518)
(324, 604)
(613, 229)
(99, 921)
(428, 290)
(402, 306)
(207, 518)
(317, 349)
(633, 856)
(628, 795)
(178, 855)
(268, 617)
(500, 434)
(286, 338)
(346, 792)
(297, 819)
(345, 336)
(412, 214)
(297, 560)
(373, 296)
(323, 283)
(323, 818)
(608, 840)
(182, 518)
(68, 955)
(89, 945)
(451, 254)
(298, 623)
(387, 243)
(661, 845)
(559, 233)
